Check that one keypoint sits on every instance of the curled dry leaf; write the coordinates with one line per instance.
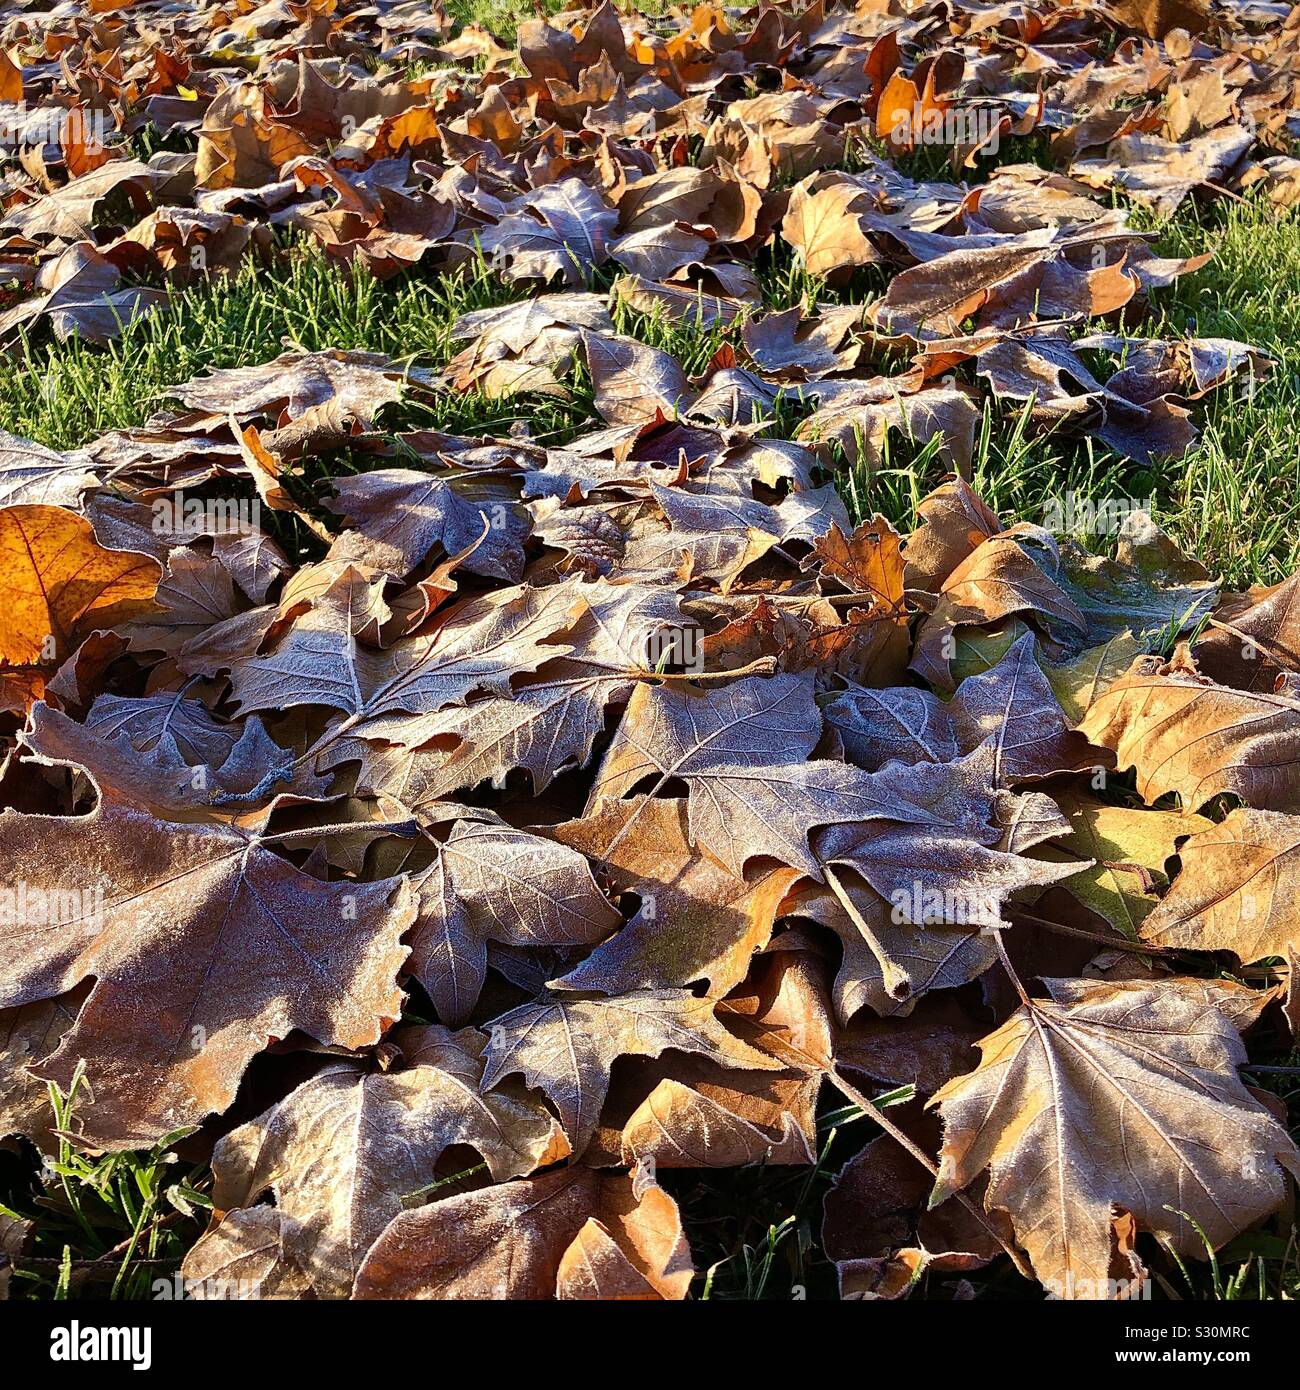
(824, 231)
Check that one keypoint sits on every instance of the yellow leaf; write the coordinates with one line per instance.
(58, 579)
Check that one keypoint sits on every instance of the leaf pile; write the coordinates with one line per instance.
(576, 813)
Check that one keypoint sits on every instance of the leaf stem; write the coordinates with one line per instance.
(896, 983)
(919, 1154)
(1011, 969)
(1119, 943)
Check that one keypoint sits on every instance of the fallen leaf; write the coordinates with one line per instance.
(1062, 1149)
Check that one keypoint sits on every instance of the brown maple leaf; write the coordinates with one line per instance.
(342, 1150)
(205, 945)
(490, 882)
(1236, 890)
(695, 920)
(743, 751)
(1103, 1096)
(1012, 703)
(573, 1234)
(566, 1047)
(1185, 734)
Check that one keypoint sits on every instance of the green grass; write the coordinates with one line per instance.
(1233, 500)
(112, 1226)
(503, 17)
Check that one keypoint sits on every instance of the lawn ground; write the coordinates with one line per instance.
(1233, 501)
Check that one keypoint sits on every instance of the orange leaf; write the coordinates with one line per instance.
(11, 78)
(57, 578)
(897, 102)
(882, 61)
